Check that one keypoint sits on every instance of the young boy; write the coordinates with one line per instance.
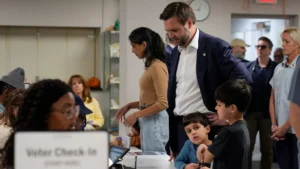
(135, 138)
(230, 148)
(196, 126)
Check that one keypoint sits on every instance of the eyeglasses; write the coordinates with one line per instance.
(261, 47)
(70, 113)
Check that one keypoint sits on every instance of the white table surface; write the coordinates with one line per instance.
(148, 161)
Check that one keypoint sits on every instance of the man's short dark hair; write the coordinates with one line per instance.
(180, 9)
(196, 117)
(236, 92)
(265, 39)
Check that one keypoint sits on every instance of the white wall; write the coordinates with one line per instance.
(110, 15)
(65, 13)
(218, 22)
(245, 29)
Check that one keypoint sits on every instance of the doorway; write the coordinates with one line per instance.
(251, 27)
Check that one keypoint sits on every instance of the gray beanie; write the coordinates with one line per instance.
(15, 78)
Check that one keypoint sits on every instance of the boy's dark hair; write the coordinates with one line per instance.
(265, 39)
(180, 9)
(196, 117)
(236, 92)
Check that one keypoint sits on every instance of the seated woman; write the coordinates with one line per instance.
(48, 105)
(78, 85)
(8, 117)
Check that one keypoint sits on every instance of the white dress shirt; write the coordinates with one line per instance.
(188, 96)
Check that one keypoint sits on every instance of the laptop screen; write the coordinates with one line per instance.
(116, 153)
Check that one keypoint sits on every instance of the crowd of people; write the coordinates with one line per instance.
(200, 101)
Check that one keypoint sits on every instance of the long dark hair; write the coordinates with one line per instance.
(34, 112)
(155, 46)
(14, 100)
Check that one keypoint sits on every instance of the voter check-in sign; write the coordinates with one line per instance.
(61, 150)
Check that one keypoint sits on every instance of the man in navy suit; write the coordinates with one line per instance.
(198, 65)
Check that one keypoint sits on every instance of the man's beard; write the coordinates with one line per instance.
(240, 55)
(183, 40)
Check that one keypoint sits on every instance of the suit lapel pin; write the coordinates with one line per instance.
(204, 54)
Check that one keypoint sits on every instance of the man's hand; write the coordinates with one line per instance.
(215, 121)
(279, 133)
(191, 166)
(172, 156)
(200, 152)
(204, 168)
(274, 131)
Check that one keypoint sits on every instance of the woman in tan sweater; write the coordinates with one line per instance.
(153, 118)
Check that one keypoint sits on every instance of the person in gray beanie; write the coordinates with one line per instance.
(13, 80)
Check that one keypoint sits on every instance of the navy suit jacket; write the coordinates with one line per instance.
(215, 65)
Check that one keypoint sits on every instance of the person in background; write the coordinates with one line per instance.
(8, 117)
(135, 138)
(169, 49)
(257, 115)
(278, 58)
(239, 49)
(196, 126)
(79, 86)
(170, 46)
(83, 111)
(13, 80)
(152, 116)
(230, 148)
(278, 55)
(286, 142)
(294, 93)
(198, 65)
(48, 105)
